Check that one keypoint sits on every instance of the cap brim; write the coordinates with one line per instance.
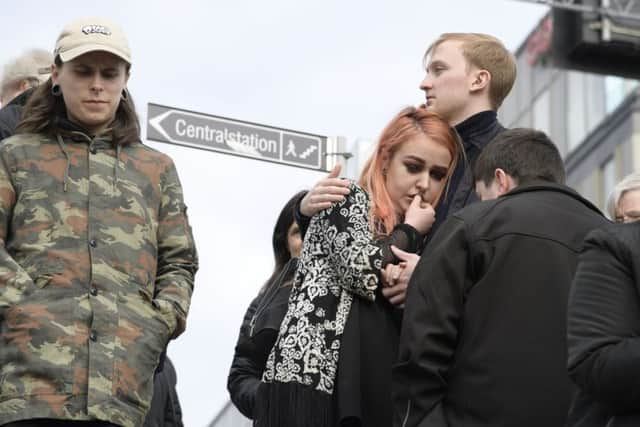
(72, 54)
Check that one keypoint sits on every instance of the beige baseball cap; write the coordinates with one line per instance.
(92, 34)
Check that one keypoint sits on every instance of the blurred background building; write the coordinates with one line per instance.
(577, 81)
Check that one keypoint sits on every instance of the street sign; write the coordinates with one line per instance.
(236, 137)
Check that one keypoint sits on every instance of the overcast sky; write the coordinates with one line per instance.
(335, 68)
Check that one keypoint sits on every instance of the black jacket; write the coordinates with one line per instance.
(165, 408)
(483, 339)
(603, 329)
(258, 333)
(10, 114)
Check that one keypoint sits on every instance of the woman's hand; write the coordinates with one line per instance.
(327, 191)
(420, 215)
(395, 277)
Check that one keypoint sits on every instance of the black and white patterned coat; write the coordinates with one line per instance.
(339, 261)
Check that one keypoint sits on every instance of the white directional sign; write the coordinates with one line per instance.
(214, 133)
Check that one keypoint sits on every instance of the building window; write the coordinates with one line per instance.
(522, 86)
(576, 123)
(595, 100)
(585, 99)
(557, 110)
(608, 181)
(524, 121)
(616, 90)
(542, 113)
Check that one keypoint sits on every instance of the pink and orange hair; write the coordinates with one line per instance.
(409, 123)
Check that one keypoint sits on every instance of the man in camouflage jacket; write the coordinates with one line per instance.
(97, 263)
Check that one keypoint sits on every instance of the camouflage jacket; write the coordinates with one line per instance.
(97, 263)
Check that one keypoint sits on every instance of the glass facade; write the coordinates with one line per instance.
(567, 105)
(541, 112)
(616, 90)
(576, 102)
(608, 179)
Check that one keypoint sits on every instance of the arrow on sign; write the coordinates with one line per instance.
(235, 137)
(156, 123)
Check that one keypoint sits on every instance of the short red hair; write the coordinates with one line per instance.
(409, 123)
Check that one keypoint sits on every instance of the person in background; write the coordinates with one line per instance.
(483, 339)
(262, 320)
(19, 77)
(468, 76)
(165, 408)
(603, 329)
(331, 363)
(623, 204)
(98, 258)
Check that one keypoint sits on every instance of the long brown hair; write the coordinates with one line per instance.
(409, 123)
(43, 111)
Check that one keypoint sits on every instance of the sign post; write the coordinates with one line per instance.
(236, 137)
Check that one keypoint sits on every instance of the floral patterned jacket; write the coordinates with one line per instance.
(340, 261)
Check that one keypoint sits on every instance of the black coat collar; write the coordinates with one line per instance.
(550, 186)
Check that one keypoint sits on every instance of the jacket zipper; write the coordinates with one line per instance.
(406, 416)
(252, 324)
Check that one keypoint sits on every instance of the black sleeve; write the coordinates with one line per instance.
(245, 373)
(4, 132)
(604, 324)
(430, 327)
(9, 118)
(405, 237)
(301, 219)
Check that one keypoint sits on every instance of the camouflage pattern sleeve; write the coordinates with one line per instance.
(177, 256)
(14, 280)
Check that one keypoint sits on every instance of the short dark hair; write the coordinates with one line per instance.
(527, 155)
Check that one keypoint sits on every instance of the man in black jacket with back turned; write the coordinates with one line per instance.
(603, 328)
(483, 339)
